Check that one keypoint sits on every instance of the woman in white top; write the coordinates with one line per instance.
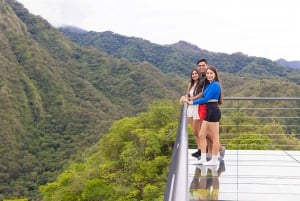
(194, 91)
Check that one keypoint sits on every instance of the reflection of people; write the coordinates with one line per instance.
(212, 96)
(205, 184)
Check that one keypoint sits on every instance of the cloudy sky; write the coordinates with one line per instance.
(262, 28)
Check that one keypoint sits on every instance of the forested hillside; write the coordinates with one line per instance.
(130, 163)
(180, 57)
(58, 98)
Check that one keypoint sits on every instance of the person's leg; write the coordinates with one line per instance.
(202, 141)
(209, 146)
(196, 128)
(213, 128)
(201, 113)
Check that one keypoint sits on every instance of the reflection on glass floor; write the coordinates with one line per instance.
(254, 175)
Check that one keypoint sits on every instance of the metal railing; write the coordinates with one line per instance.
(277, 118)
(265, 122)
(177, 185)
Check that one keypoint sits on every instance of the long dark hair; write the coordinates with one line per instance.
(199, 87)
(217, 78)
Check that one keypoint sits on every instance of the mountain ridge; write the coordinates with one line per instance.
(180, 57)
(289, 64)
(79, 30)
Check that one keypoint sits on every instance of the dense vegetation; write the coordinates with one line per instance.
(131, 161)
(58, 98)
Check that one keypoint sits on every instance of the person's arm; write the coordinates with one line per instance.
(186, 95)
(197, 96)
(212, 93)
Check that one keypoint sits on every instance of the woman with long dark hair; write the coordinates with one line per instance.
(194, 91)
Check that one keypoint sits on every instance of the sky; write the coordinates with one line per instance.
(262, 28)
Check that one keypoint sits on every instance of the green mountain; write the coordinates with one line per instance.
(180, 57)
(58, 98)
(242, 75)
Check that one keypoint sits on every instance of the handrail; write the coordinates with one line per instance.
(177, 186)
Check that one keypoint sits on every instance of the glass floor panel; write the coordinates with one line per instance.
(254, 175)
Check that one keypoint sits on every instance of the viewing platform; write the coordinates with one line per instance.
(262, 158)
(253, 175)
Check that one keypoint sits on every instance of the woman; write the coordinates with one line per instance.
(212, 96)
(194, 91)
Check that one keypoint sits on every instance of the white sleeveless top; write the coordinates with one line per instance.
(192, 110)
(192, 91)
